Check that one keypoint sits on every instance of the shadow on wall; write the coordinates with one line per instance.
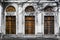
(5, 0)
(1, 0)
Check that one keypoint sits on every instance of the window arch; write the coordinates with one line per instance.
(48, 9)
(10, 9)
(29, 9)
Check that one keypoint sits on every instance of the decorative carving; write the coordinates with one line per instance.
(10, 9)
(29, 9)
(48, 9)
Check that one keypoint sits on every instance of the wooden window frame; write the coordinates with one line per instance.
(10, 24)
(28, 28)
(49, 25)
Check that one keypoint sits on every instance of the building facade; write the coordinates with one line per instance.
(30, 18)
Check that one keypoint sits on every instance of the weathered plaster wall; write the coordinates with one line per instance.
(20, 14)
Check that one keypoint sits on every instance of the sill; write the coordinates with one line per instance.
(20, 1)
(31, 1)
(49, 36)
(48, 1)
(29, 36)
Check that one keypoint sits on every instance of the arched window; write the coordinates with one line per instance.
(10, 9)
(29, 9)
(48, 9)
